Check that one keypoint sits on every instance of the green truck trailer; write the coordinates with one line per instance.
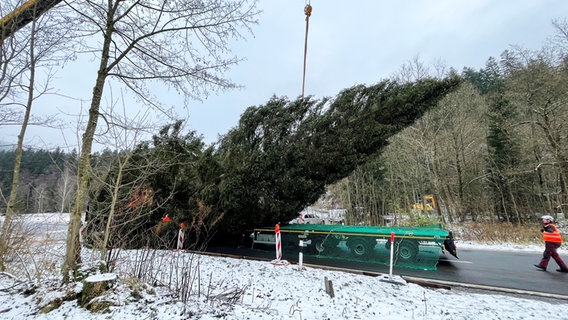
(414, 247)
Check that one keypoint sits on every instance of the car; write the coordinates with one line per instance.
(313, 219)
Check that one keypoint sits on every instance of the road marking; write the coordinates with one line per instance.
(455, 261)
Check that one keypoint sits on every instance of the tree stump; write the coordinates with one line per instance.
(94, 286)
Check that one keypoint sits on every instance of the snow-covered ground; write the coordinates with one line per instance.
(180, 285)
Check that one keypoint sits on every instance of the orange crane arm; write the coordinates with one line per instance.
(23, 15)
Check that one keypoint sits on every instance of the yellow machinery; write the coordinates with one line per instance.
(427, 203)
(23, 15)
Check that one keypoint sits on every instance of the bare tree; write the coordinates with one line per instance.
(65, 187)
(460, 152)
(179, 43)
(36, 50)
(559, 41)
(537, 88)
(11, 64)
(411, 155)
(4, 238)
(413, 70)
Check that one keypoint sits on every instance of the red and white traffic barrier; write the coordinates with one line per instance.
(278, 261)
(278, 242)
(181, 236)
(390, 278)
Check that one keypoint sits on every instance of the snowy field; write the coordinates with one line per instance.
(180, 285)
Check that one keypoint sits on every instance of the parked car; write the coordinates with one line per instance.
(308, 218)
(313, 219)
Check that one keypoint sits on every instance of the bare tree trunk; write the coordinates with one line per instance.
(65, 188)
(73, 251)
(113, 206)
(350, 217)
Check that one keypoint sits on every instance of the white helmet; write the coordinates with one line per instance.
(547, 217)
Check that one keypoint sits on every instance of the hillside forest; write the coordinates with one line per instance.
(488, 144)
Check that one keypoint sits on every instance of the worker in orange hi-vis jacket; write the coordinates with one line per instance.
(552, 241)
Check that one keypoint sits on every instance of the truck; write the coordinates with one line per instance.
(414, 247)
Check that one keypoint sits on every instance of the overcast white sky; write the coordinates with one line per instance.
(349, 43)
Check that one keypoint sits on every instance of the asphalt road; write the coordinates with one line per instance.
(514, 270)
(501, 269)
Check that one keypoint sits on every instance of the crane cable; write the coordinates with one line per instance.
(308, 12)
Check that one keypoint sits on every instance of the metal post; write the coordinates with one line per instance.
(301, 257)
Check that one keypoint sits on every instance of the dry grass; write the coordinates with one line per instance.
(491, 233)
